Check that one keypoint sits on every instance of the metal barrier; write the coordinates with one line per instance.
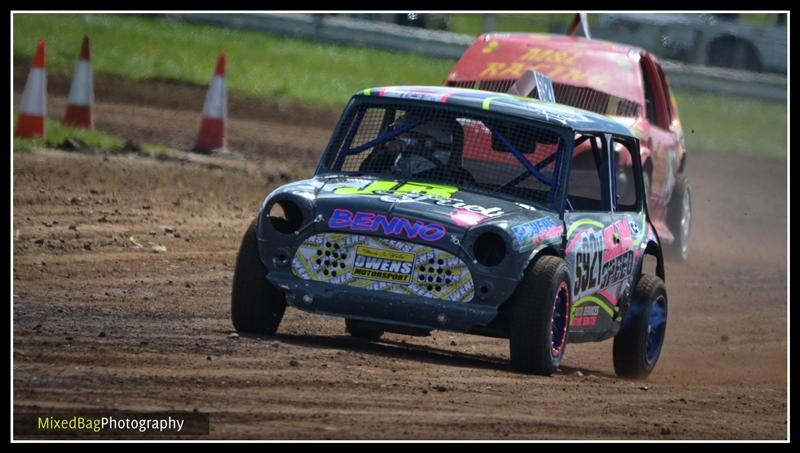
(770, 87)
(442, 44)
(343, 30)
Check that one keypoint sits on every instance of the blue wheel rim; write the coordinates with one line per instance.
(656, 326)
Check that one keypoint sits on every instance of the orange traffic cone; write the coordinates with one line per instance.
(215, 110)
(34, 99)
(81, 92)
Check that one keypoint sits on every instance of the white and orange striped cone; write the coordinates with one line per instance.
(81, 91)
(215, 111)
(34, 99)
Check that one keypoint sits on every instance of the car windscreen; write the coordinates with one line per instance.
(488, 153)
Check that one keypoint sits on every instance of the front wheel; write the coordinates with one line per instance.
(257, 306)
(638, 344)
(540, 317)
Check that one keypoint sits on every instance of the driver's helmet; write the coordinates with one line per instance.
(425, 147)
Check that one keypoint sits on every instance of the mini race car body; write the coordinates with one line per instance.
(625, 83)
(503, 243)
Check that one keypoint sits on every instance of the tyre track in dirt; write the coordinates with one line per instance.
(103, 321)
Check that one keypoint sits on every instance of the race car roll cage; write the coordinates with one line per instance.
(532, 169)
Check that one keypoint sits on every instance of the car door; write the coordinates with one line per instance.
(628, 227)
(664, 138)
(588, 219)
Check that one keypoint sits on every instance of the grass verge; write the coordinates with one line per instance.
(746, 126)
(57, 136)
(150, 47)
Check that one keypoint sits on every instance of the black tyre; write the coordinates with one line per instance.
(638, 344)
(679, 219)
(361, 330)
(540, 317)
(257, 306)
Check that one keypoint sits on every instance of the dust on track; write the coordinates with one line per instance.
(103, 320)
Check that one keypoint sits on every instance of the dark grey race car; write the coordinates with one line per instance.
(440, 208)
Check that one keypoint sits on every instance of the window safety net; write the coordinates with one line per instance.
(509, 157)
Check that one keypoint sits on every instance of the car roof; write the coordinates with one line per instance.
(534, 109)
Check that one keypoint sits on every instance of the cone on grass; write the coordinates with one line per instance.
(34, 99)
(215, 110)
(81, 91)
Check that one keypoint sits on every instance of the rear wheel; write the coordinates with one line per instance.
(540, 317)
(362, 330)
(257, 306)
(679, 218)
(638, 344)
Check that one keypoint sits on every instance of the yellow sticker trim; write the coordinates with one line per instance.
(435, 190)
(594, 299)
(582, 222)
(385, 254)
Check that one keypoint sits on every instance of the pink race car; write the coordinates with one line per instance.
(623, 82)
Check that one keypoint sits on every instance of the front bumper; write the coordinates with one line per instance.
(380, 306)
(467, 297)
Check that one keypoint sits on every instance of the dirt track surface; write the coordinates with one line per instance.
(103, 320)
